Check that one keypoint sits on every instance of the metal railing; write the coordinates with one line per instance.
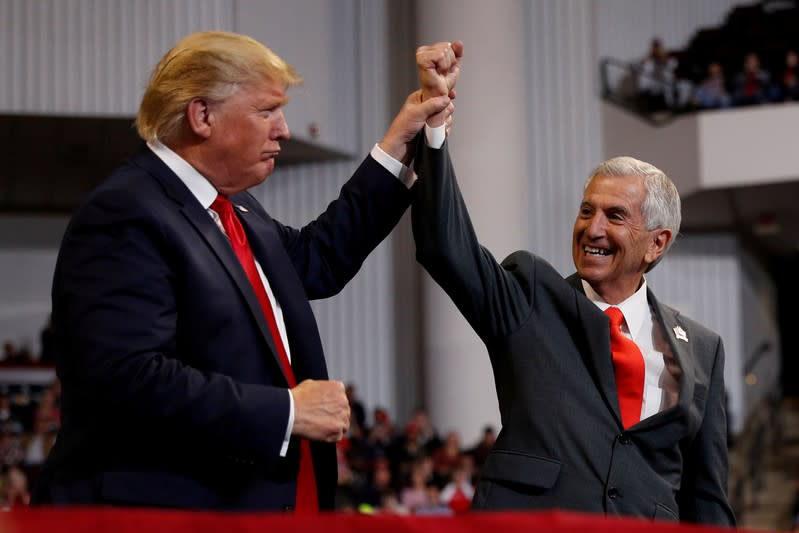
(653, 99)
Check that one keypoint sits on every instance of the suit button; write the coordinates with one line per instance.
(613, 493)
(624, 439)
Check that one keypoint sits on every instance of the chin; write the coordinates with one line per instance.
(590, 274)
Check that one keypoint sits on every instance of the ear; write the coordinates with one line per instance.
(658, 244)
(199, 118)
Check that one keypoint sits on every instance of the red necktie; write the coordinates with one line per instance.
(307, 500)
(628, 364)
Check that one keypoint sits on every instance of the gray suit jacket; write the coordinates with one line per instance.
(562, 443)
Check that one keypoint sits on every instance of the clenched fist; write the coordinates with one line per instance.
(321, 410)
(439, 67)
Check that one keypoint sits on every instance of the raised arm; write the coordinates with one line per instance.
(493, 298)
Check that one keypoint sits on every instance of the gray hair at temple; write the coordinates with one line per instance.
(661, 207)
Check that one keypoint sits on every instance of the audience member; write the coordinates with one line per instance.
(753, 83)
(11, 453)
(415, 494)
(377, 487)
(423, 430)
(357, 412)
(712, 92)
(14, 489)
(483, 447)
(47, 354)
(447, 458)
(789, 81)
(657, 81)
(458, 493)
(9, 421)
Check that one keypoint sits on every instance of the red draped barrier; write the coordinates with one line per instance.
(124, 520)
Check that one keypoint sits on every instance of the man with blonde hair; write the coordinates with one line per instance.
(192, 370)
(611, 401)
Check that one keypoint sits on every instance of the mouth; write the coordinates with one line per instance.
(593, 251)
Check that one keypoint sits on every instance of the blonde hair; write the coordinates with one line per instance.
(209, 65)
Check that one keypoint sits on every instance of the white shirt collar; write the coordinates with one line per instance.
(635, 308)
(199, 186)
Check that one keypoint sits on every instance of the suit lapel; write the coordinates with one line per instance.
(679, 348)
(267, 247)
(596, 330)
(207, 228)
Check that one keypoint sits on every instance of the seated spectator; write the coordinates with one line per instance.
(458, 493)
(789, 81)
(356, 407)
(48, 410)
(14, 491)
(483, 448)
(753, 84)
(434, 506)
(9, 353)
(9, 421)
(447, 458)
(657, 79)
(47, 355)
(11, 453)
(423, 430)
(712, 92)
(415, 494)
(378, 487)
(39, 443)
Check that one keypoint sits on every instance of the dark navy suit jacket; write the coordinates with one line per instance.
(173, 394)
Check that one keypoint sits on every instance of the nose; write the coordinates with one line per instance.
(595, 226)
(280, 131)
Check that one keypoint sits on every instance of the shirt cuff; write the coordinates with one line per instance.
(435, 136)
(397, 169)
(285, 448)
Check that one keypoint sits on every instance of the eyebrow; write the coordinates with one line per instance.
(618, 209)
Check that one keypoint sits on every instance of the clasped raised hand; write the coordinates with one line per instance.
(439, 67)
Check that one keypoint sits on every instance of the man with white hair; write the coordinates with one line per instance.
(611, 402)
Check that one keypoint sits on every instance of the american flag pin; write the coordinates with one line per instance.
(680, 334)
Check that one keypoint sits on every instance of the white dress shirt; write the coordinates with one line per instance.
(662, 374)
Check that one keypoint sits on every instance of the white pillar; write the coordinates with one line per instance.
(488, 143)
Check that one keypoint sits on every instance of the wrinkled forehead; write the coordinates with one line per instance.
(606, 190)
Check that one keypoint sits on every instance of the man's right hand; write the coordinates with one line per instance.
(321, 410)
(439, 67)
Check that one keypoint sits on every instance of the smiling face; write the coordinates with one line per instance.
(244, 138)
(611, 246)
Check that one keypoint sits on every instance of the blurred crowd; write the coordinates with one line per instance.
(406, 468)
(383, 466)
(662, 85)
(29, 421)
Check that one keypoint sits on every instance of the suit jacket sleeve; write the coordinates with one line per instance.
(329, 251)
(490, 297)
(703, 491)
